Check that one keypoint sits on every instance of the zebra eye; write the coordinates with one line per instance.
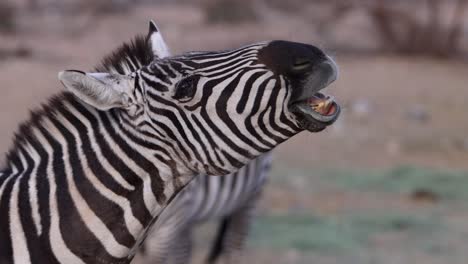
(186, 88)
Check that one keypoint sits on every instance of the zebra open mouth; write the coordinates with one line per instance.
(321, 107)
(317, 112)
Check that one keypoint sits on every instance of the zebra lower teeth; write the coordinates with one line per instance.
(322, 105)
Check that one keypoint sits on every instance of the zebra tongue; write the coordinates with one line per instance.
(321, 104)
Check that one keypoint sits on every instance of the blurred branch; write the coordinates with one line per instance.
(7, 17)
(33, 5)
(455, 35)
(401, 30)
(100, 7)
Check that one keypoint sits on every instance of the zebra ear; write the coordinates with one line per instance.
(103, 91)
(156, 40)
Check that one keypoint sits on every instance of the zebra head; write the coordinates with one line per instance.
(215, 111)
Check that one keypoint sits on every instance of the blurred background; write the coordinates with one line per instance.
(387, 184)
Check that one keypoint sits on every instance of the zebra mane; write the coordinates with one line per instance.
(137, 52)
(23, 137)
(128, 56)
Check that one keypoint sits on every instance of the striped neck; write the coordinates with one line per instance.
(89, 180)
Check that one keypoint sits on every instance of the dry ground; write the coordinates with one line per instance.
(397, 110)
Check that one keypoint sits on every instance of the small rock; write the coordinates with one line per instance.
(418, 113)
(23, 52)
(393, 147)
(361, 108)
(461, 144)
(292, 256)
(464, 145)
(20, 52)
(424, 196)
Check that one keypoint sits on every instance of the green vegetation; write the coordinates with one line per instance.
(448, 185)
(336, 234)
(347, 232)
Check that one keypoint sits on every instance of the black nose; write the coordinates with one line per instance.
(291, 58)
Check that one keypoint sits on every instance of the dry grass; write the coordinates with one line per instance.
(103, 7)
(404, 33)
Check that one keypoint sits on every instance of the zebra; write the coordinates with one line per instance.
(129, 58)
(95, 166)
(205, 197)
(189, 207)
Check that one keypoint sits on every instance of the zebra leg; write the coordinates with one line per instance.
(181, 250)
(231, 235)
(234, 227)
(157, 247)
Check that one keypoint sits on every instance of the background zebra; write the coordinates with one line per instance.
(94, 168)
(230, 199)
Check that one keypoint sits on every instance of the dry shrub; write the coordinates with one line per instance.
(402, 32)
(18, 52)
(419, 27)
(103, 7)
(288, 6)
(7, 17)
(230, 11)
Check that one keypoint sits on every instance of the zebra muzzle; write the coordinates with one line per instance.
(314, 109)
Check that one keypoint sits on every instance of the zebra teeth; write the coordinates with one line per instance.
(317, 112)
(322, 104)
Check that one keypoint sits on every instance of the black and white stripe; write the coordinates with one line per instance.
(93, 169)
